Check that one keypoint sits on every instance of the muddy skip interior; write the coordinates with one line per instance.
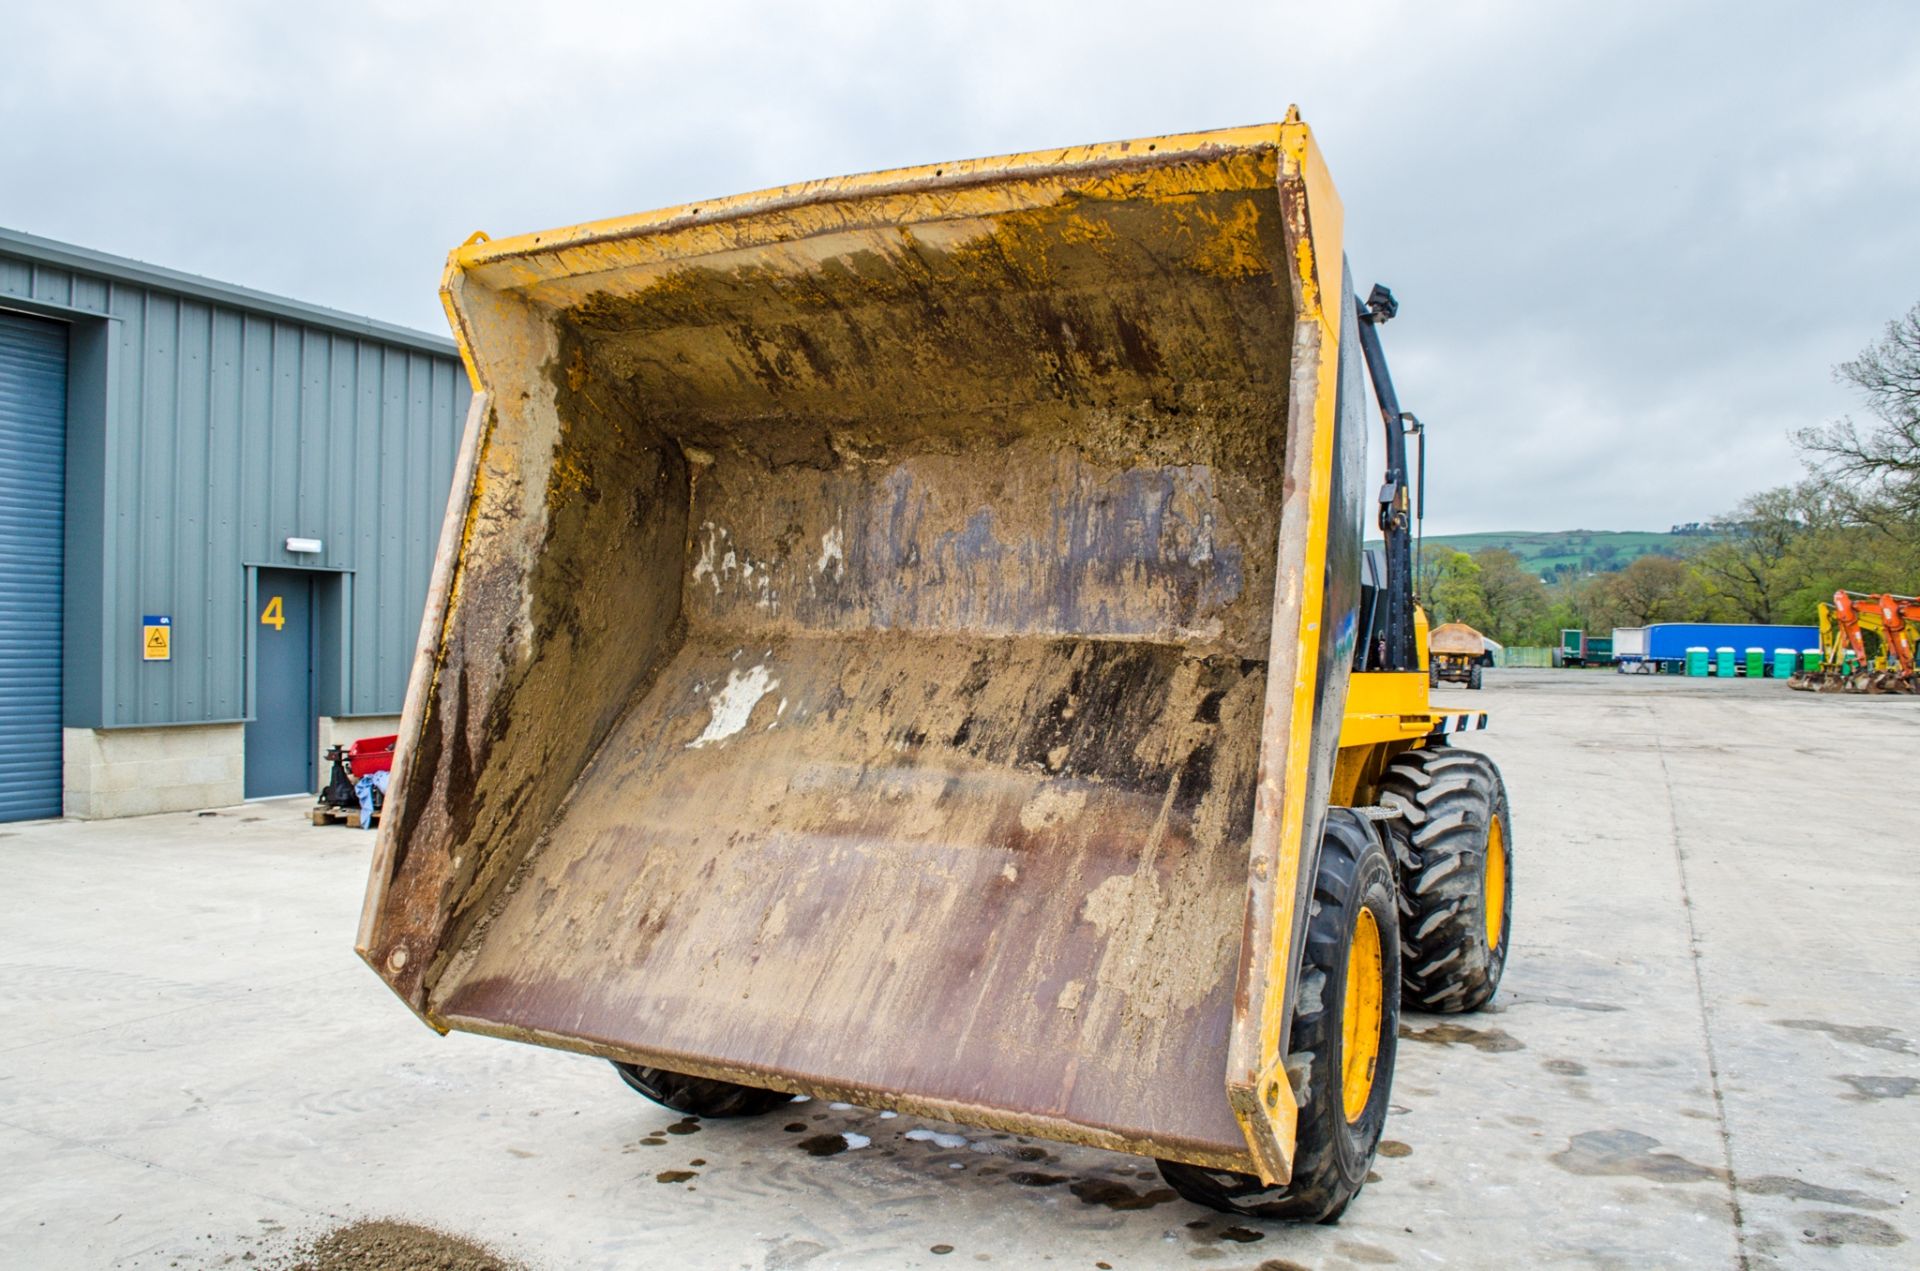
(884, 615)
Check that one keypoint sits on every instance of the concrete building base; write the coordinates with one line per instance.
(112, 772)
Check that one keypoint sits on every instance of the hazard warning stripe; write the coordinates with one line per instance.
(1458, 724)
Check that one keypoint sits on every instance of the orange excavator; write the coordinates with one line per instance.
(1847, 666)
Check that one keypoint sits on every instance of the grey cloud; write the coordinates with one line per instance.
(1630, 241)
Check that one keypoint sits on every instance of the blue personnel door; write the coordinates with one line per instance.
(280, 736)
(33, 464)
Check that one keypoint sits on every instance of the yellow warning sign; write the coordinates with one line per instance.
(156, 638)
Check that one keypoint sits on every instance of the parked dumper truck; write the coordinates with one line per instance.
(902, 639)
(1457, 654)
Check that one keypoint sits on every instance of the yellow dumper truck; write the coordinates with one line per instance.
(1456, 653)
(905, 639)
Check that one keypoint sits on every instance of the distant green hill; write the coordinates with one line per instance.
(1552, 553)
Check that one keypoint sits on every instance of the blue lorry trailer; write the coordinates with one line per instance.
(1666, 643)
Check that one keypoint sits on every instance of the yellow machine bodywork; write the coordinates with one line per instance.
(1835, 652)
(891, 640)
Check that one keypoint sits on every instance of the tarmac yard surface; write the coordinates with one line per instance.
(1705, 1053)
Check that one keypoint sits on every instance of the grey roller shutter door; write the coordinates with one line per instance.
(33, 436)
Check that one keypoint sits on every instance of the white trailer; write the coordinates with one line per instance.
(1630, 651)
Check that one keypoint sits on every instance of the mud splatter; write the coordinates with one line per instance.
(1832, 1229)
(674, 1176)
(1103, 1191)
(1630, 1154)
(1872, 1035)
(789, 1254)
(1282, 1264)
(686, 1125)
(941, 1249)
(824, 1145)
(1865, 1088)
(1565, 1003)
(1800, 1189)
(386, 1245)
(1027, 1178)
(1564, 1067)
(1394, 1148)
(1493, 1041)
(795, 1127)
(1242, 1235)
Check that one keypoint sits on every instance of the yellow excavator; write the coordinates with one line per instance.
(906, 639)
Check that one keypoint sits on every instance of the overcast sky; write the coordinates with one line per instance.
(1630, 240)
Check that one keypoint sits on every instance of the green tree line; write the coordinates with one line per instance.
(1852, 521)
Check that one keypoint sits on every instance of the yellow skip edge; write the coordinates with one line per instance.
(473, 254)
(1323, 242)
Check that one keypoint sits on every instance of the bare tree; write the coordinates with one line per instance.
(1880, 461)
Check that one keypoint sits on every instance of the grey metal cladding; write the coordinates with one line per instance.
(234, 420)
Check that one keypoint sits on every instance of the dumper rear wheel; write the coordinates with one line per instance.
(1455, 847)
(700, 1096)
(1345, 1021)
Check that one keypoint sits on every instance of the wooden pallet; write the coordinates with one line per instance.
(349, 817)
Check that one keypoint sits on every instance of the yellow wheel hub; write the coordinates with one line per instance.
(1360, 1016)
(1496, 883)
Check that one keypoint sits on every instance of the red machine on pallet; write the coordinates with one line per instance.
(340, 798)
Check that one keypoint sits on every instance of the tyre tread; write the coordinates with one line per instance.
(1322, 1184)
(1445, 799)
(700, 1096)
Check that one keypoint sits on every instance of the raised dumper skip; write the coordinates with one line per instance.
(905, 639)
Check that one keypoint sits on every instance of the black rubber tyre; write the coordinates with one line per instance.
(1332, 1152)
(1473, 676)
(1433, 675)
(1451, 803)
(701, 1096)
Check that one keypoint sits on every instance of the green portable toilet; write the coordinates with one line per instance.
(1723, 664)
(1756, 667)
(1783, 660)
(1697, 660)
(1811, 660)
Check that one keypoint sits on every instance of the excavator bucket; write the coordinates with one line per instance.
(889, 638)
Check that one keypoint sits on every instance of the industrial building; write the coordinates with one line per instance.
(218, 512)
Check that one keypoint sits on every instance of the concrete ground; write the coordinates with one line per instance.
(1703, 1055)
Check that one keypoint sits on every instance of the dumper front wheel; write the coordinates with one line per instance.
(1345, 1021)
(1455, 845)
(700, 1096)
